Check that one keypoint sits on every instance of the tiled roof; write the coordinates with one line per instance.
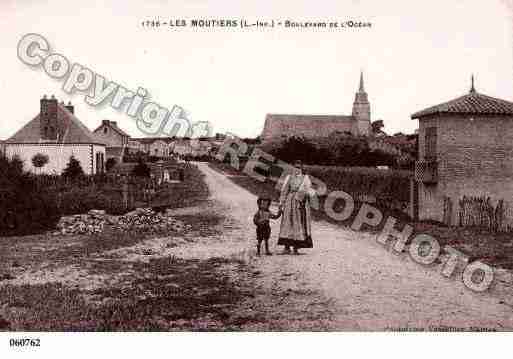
(76, 131)
(472, 103)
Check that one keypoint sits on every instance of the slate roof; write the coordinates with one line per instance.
(76, 131)
(144, 140)
(472, 103)
(293, 117)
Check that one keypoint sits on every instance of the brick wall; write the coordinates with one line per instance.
(475, 158)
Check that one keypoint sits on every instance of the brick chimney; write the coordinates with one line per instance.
(70, 107)
(49, 125)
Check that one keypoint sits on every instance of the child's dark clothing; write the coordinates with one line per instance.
(263, 229)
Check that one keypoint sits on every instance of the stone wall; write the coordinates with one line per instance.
(277, 126)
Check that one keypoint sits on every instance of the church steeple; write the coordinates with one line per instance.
(361, 95)
(361, 89)
(361, 109)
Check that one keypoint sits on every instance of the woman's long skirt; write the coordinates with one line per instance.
(295, 230)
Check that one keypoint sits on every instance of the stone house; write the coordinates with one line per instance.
(115, 139)
(59, 134)
(465, 149)
(111, 134)
(155, 146)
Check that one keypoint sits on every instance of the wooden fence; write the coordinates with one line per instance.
(481, 213)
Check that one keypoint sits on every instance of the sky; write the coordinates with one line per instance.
(415, 54)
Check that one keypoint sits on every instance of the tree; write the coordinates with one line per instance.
(377, 127)
(39, 160)
(73, 169)
(111, 162)
(141, 169)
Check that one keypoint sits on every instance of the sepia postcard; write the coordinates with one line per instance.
(312, 167)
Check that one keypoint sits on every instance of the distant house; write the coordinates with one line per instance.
(193, 147)
(111, 134)
(465, 149)
(155, 146)
(135, 145)
(59, 134)
(114, 138)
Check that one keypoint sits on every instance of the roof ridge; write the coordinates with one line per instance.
(471, 103)
(79, 123)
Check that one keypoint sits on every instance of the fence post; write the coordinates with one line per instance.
(125, 194)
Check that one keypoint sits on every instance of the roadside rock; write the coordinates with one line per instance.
(143, 219)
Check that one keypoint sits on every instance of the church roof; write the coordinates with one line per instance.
(292, 117)
(473, 103)
(76, 131)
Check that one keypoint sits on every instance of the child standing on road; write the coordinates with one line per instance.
(261, 220)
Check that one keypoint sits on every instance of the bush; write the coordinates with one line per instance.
(331, 151)
(111, 162)
(141, 169)
(384, 185)
(39, 160)
(25, 207)
(73, 170)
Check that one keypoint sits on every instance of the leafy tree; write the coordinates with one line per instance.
(298, 148)
(111, 162)
(39, 160)
(25, 208)
(11, 167)
(141, 169)
(73, 169)
(377, 127)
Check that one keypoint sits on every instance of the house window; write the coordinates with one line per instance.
(105, 130)
(430, 143)
(100, 162)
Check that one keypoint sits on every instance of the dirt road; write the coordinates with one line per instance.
(364, 286)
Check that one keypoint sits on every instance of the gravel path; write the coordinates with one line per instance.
(368, 288)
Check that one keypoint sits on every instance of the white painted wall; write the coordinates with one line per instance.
(58, 154)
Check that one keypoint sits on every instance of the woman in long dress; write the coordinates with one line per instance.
(295, 229)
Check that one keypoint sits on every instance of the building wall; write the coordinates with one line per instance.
(362, 115)
(475, 158)
(111, 138)
(159, 148)
(322, 126)
(58, 154)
